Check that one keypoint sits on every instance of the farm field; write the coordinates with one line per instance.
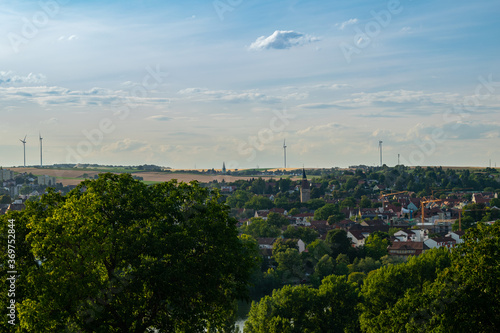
(75, 176)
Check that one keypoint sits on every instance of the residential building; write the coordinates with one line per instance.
(406, 249)
(46, 180)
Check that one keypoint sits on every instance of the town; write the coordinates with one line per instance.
(308, 232)
(412, 210)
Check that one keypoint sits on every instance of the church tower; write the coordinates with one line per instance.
(305, 189)
(223, 168)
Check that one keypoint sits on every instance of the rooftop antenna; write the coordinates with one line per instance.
(24, 145)
(41, 160)
(380, 149)
(284, 151)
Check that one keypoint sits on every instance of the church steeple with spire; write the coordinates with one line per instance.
(305, 189)
(223, 168)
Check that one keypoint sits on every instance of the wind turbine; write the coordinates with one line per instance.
(380, 149)
(41, 161)
(24, 145)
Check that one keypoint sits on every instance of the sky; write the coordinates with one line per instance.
(193, 84)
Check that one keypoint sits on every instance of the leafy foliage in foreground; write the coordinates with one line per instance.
(119, 256)
(331, 308)
(439, 291)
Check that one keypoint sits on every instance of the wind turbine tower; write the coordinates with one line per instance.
(24, 145)
(41, 160)
(380, 149)
(284, 151)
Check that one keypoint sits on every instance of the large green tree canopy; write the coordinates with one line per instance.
(116, 255)
(463, 298)
(333, 307)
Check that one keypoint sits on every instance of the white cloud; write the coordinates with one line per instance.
(188, 91)
(335, 86)
(159, 118)
(281, 39)
(70, 38)
(397, 97)
(320, 106)
(320, 128)
(43, 95)
(344, 24)
(460, 130)
(126, 145)
(203, 94)
(9, 78)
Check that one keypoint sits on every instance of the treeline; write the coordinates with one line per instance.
(362, 182)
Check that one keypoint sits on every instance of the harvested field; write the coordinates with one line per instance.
(74, 177)
(66, 177)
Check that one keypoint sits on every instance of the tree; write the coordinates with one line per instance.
(338, 241)
(289, 265)
(495, 202)
(365, 265)
(26, 189)
(5, 199)
(365, 202)
(331, 308)
(324, 267)
(383, 288)
(469, 290)
(348, 202)
(317, 249)
(307, 235)
(277, 220)
(257, 227)
(326, 211)
(259, 202)
(258, 186)
(376, 245)
(315, 204)
(393, 230)
(281, 245)
(338, 305)
(467, 222)
(238, 199)
(116, 255)
(335, 218)
(294, 211)
(288, 310)
(357, 277)
(284, 202)
(284, 184)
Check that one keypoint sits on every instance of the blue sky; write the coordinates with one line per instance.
(195, 83)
